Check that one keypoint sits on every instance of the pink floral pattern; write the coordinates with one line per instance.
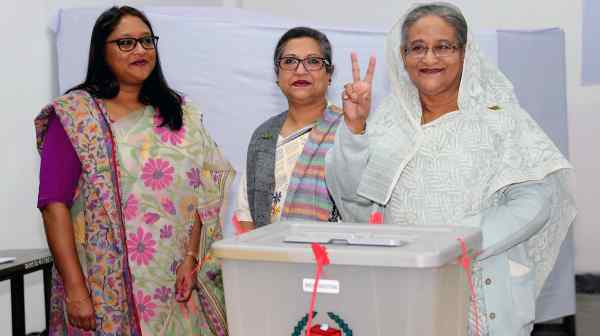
(166, 134)
(194, 177)
(157, 174)
(163, 294)
(168, 205)
(151, 218)
(166, 231)
(141, 247)
(131, 207)
(145, 306)
(167, 188)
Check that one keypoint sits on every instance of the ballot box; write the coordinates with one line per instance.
(382, 280)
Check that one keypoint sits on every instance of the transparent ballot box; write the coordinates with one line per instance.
(382, 280)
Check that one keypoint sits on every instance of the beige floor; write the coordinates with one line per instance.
(587, 317)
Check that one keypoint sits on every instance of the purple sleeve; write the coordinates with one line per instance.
(59, 168)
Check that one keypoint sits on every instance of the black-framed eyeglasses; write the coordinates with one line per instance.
(311, 63)
(440, 50)
(129, 43)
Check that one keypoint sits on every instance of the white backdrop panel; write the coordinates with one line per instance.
(590, 68)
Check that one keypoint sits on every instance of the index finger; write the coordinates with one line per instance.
(370, 70)
(355, 67)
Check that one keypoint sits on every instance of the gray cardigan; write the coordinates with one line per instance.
(260, 169)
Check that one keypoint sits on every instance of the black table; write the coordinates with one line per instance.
(27, 261)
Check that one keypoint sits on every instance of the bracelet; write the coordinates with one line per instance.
(69, 300)
(193, 255)
(364, 131)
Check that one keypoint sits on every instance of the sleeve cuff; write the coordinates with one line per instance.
(43, 202)
(351, 140)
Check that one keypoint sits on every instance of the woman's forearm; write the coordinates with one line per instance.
(523, 212)
(344, 166)
(61, 240)
(194, 242)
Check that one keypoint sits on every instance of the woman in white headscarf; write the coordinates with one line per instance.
(452, 146)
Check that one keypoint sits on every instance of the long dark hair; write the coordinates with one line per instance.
(101, 82)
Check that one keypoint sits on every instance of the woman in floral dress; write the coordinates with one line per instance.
(131, 190)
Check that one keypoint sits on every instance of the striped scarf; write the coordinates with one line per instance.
(307, 196)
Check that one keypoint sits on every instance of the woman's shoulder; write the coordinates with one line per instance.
(69, 104)
(269, 127)
(190, 110)
(73, 97)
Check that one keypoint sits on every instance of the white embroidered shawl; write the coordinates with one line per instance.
(512, 148)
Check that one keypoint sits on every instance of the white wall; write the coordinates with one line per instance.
(28, 81)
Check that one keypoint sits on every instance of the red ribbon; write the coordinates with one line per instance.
(376, 218)
(466, 261)
(237, 226)
(322, 259)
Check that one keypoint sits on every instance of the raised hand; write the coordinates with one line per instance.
(356, 97)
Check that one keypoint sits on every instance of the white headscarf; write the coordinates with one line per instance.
(482, 83)
(527, 154)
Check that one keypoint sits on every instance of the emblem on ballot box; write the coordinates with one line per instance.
(324, 329)
(322, 259)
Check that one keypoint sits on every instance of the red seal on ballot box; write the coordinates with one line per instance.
(324, 330)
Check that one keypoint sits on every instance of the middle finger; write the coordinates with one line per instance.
(370, 70)
(355, 67)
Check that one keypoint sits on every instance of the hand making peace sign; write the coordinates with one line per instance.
(356, 97)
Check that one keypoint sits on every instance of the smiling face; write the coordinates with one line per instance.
(302, 86)
(431, 74)
(130, 67)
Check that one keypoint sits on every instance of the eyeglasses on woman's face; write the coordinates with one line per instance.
(420, 50)
(311, 63)
(127, 44)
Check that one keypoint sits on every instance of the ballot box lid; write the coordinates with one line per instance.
(352, 244)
